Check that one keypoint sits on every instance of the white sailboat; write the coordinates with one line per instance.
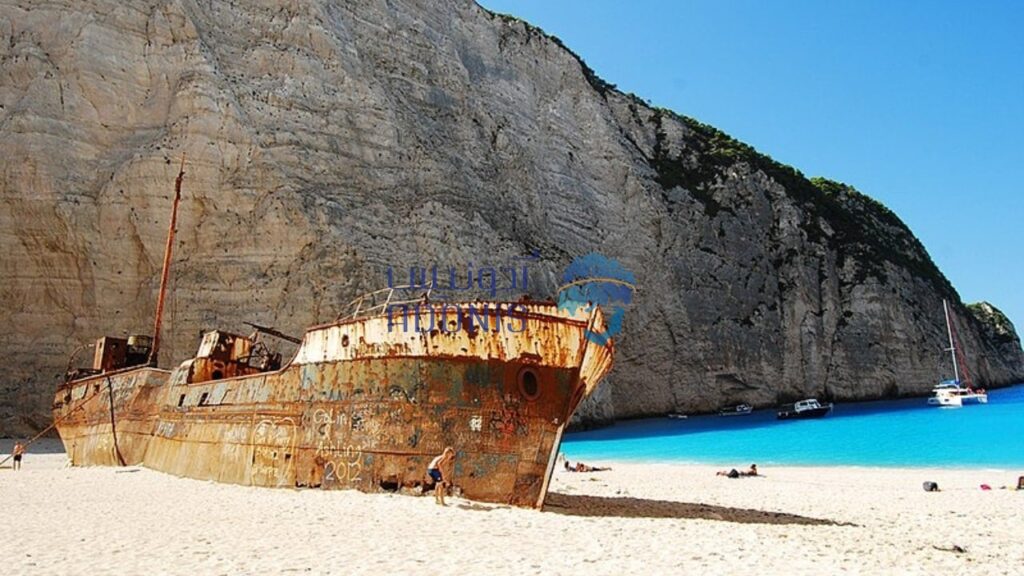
(950, 392)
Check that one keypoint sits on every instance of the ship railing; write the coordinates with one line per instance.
(377, 302)
(369, 304)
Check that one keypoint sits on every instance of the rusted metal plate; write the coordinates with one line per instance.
(362, 405)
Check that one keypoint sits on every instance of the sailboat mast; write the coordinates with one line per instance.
(952, 347)
(154, 353)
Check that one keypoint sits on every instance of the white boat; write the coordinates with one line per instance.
(804, 409)
(737, 410)
(951, 392)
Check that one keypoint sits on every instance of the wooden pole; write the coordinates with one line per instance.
(155, 352)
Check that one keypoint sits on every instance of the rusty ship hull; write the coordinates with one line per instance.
(364, 404)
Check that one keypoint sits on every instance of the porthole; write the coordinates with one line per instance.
(344, 340)
(529, 384)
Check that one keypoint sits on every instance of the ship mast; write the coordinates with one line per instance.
(952, 347)
(154, 353)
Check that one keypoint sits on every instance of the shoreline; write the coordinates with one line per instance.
(595, 426)
(660, 518)
(742, 465)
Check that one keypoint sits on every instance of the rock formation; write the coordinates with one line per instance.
(329, 140)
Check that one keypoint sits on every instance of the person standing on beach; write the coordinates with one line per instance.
(18, 452)
(439, 471)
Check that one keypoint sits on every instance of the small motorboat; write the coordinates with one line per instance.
(803, 409)
(737, 410)
(677, 416)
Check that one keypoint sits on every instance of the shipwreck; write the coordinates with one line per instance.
(361, 405)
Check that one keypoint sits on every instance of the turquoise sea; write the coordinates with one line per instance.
(906, 433)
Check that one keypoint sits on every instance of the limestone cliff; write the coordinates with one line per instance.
(996, 329)
(328, 140)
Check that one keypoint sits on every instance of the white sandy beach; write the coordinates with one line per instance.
(62, 520)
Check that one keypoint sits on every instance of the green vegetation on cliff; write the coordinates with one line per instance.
(862, 229)
(995, 322)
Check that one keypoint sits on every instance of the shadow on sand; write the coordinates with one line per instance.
(626, 507)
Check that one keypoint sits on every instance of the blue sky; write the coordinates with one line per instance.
(917, 104)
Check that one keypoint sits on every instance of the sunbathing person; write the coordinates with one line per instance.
(581, 467)
(734, 473)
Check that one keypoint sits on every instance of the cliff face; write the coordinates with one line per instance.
(327, 141)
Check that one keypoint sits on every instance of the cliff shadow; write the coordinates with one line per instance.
(626, 507)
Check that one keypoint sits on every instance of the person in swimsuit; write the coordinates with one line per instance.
(18, 452)
(438, 470)
(581, 467)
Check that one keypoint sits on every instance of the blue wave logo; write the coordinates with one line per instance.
(595, 280)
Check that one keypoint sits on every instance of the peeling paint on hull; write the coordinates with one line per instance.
(361, 406)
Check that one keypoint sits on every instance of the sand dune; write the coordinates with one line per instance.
(655, 518)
